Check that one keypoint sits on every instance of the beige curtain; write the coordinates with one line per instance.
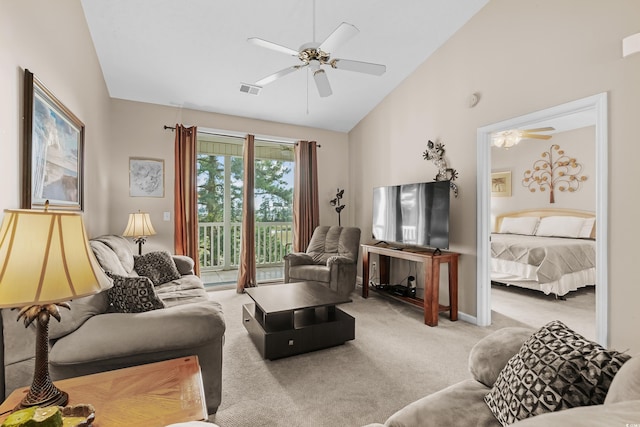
(186, 194)
(247, 268)
(306, 211)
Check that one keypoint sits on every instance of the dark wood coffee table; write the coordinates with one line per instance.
(295, 318)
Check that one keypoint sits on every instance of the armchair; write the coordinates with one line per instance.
(330, 259)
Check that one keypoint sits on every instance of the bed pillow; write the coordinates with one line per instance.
(522, 225)
(560, 226)
(587, 228)
(555, 369)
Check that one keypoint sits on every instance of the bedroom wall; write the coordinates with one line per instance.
(520, 56)
(63, 58)
(577, 143)
(137, 130)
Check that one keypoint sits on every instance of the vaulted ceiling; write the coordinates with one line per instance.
(194, 53)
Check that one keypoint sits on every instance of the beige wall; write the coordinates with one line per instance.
(52, 40)
(137, 130)
(577, 143)
(522, 56)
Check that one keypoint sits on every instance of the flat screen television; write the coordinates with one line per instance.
(412, 214)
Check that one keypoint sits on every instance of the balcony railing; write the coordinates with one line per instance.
(220, 245)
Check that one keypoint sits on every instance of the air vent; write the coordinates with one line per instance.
(250, 89)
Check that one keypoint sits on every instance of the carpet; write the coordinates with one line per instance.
(394, 360)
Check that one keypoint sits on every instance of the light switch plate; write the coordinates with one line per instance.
(167, 216)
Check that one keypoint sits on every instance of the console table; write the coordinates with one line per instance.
(431, 260)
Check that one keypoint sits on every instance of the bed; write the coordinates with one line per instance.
(549, 250)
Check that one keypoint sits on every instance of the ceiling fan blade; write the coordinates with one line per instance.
(272, 46)
(275, 76)
(322, 83)
(535, 136)
(340, 35)
(547, 129)
(361, 67)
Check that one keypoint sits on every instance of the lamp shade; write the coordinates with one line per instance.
(139, 225)
(45, 258)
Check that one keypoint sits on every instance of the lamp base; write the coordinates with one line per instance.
(42, 392)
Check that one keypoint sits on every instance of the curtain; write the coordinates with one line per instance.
(306, 211)
(186, 195)
(247, 268)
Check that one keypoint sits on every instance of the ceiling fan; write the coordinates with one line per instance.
(316, 55)
(509, 138)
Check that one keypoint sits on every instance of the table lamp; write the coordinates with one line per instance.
(139, 227)
(45, 260)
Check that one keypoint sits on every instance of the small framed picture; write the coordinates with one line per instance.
(501, 184)
(146, 177)
(53, 151)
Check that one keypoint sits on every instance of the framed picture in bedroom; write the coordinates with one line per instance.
(146, 177)
(501, 184)
(53, 151)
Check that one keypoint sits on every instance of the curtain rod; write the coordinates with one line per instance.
(235, 136)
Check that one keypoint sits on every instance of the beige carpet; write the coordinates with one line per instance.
(394, 360)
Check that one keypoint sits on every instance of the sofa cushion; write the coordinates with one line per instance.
(490, 355)
(121, 247)
(107, 258)
(555, 369)
(626, 384)
(623, 414)
(133, 294)
(157, 266)
(184, 290)
(458, 405)
(313, 273)
(81, 310)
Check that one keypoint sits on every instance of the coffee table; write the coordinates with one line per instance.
(155, 394)
(295, 318)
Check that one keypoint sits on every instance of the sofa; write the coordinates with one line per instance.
(331, 259)
(464, 403)
(162, 314)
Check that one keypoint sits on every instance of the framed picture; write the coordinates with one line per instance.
(501, 184)
(146, 177)
(53, 151)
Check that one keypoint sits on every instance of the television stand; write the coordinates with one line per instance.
(431, 261)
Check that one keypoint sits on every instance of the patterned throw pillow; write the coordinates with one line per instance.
(555, 369)
(157, 266)
(133, 294)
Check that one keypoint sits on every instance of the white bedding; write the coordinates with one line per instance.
(551, 265)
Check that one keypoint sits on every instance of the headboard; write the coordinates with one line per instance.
(543, 212)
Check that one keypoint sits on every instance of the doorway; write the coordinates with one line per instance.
(594, 108)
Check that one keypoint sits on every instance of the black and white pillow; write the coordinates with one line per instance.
(133, 294)
(157, 266)
(555, 369)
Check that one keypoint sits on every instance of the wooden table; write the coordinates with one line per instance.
(431, 260)
(155, 394)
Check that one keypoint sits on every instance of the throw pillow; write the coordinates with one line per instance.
(555, 369)
(133, 294)
(157, 266)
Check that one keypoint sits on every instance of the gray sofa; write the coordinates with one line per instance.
(92, 338)
(330, 259)
(463, 404)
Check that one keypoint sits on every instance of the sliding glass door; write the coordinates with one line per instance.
(220, 204)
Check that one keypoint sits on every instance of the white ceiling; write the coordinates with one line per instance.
(194, 53)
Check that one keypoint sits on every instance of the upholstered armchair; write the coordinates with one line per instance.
(330, 259)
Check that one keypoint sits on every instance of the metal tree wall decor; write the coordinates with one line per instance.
(435, 153)
(336, 202)
(561, 173)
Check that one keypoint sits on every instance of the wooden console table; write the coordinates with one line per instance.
(431, 261)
